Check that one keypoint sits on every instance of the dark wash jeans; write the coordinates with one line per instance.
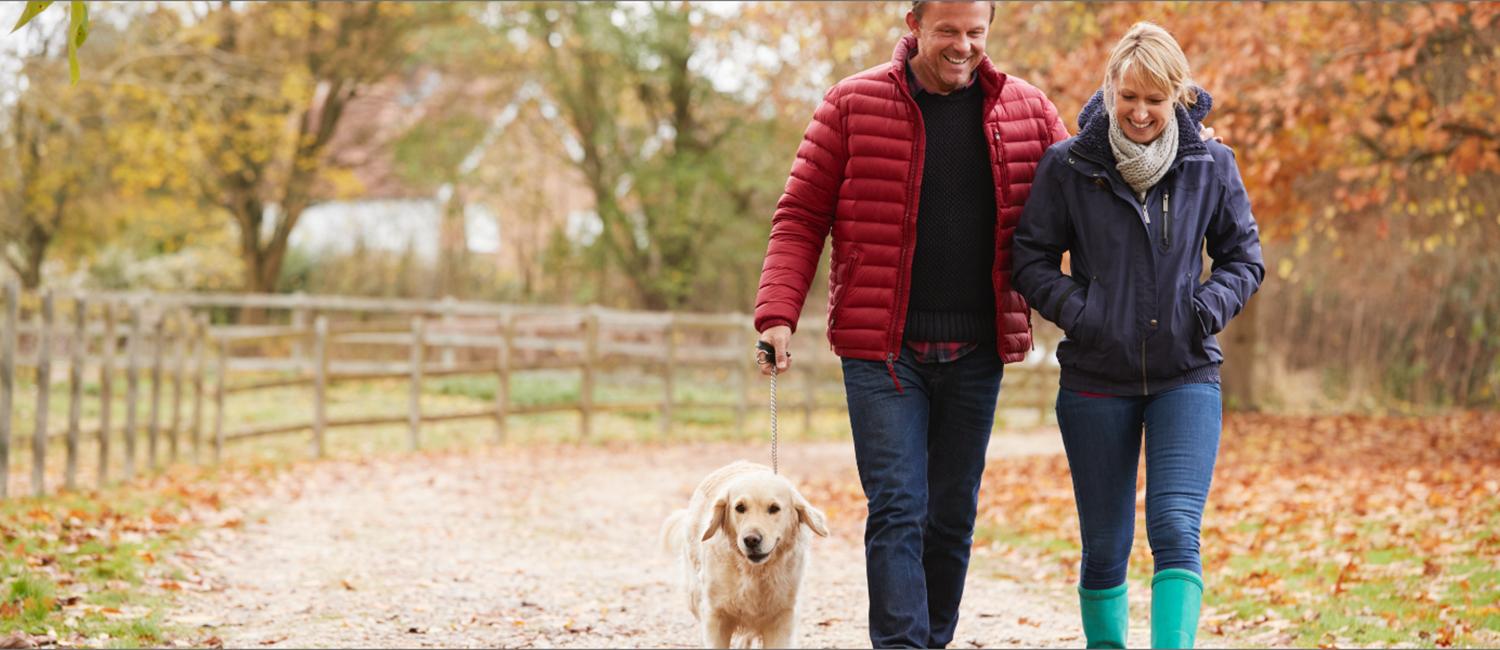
(1103, 436)
(920, 454)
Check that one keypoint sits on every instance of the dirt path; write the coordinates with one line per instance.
(536, 546)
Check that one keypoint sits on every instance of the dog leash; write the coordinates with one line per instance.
(765, 353)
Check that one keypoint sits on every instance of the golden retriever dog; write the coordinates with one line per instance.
(742, 542)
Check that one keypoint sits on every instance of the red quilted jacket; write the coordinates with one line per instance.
(858, 174)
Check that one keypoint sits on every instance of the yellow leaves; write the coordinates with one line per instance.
(296, 86)
(1403, 89)
(344, 183)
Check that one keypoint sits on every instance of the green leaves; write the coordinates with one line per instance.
(78, 32)
(32, 9)
(78, 28)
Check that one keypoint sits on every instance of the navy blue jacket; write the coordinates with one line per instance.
(1137, 317)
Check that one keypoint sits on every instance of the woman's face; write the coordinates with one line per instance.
(1142, 109)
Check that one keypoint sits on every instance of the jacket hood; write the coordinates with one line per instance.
(1093, 126)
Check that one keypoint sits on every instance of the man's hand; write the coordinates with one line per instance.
(780, 337)
(1206, 133)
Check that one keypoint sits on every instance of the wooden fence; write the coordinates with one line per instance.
(315, 342)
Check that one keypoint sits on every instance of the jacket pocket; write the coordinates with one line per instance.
(841, 276)
(1086, 328)
(1182, 346)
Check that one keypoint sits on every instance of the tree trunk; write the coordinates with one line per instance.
(1241, 343)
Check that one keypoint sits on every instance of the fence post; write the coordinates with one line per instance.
(43, 393)
(153, 428)
(810, 396)
(742, 382)
(414, 414)
(448, 351)
(502, 372)
(320, 383)
(75, 390)
(12, 305)
(132, 385)
(667, 379)
(200, 333)
(223, 376)
(299, 322)
(180, 327)
(106, 389)
(586, 387)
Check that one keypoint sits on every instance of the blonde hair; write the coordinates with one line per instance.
(1150, 52)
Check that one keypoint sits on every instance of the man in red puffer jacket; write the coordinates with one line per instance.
(920, 168)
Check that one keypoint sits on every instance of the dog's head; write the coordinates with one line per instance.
(761, 513)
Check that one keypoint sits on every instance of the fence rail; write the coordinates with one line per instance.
(166, 342)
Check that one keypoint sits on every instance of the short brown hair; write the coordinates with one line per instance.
(917, 6)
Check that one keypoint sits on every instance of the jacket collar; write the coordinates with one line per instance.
(1093, 128)
(991, 80)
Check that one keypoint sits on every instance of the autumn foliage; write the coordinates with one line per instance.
(633, 153)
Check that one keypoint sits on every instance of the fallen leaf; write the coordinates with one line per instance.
(1430, 568)
(17, 640)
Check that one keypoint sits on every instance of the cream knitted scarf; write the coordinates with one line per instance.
(1142, 165)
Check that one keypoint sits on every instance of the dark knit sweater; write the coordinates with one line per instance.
(952, 297)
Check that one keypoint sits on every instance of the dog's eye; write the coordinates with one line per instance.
(775, 509)
(740, 508)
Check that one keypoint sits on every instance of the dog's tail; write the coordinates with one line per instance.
(671, 531)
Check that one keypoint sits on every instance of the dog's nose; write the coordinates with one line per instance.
(752, 541)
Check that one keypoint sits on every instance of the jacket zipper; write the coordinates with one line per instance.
(1166, 218)
(890, 367)
(903, 270)
(841, 286)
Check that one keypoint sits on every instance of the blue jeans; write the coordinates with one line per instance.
(1102, 436)
(920, 453)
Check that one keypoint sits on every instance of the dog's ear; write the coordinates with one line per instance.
(811, 516)
(715, 522)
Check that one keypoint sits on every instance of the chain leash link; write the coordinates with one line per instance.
(774, 468)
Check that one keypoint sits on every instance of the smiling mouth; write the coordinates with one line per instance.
(757, 558)
(1142, 127)
(957, 61)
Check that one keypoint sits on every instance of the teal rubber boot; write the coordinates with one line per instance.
(1176, 597)
(1106, 616)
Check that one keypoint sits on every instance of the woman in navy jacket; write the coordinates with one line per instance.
(1134, 198)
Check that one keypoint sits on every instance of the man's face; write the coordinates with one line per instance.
(950, 42)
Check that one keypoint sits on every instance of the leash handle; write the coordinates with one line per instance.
(766, 353)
